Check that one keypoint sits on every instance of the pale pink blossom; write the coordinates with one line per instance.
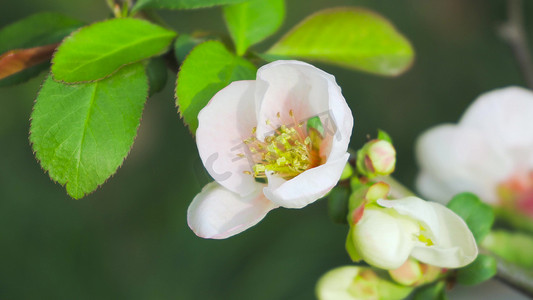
(489, 152)
(254, 141)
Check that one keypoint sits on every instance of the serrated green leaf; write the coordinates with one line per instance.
(349, 37)
(100, 49)
(208, 68)
(253, 21)
(431, 292)
(37, 30)
(514, 247)
(180, 4)
(81, 133)
(184, 44)
(482, 269)
(477, 215)
(338, 204)
(157, 73)
(34, 31)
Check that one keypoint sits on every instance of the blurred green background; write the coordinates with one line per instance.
(130, 240)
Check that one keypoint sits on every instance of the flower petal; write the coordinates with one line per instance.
(433, 188)
(383, 240)
(454, 245)
(283, 86)
(224, 123)
(506, 116)
(463, 160)
(217, 213)
(306, 187)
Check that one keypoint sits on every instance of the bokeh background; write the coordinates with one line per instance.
(130, 240)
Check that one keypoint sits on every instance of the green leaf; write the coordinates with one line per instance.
(180, 4)
(514, 247)
(251, 22)
(157, 73)
(514, 218)
(431, 292)
(478, 216)
(100, 49)
(482, 269)
(349, 37)
(34, 31)
(208, 68)
(37, 30)
(382, 135)
(338, 204)
(350, 246)
(81, 133)
(184, 44)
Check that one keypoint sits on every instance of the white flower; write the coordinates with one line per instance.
(254, 131)
(489, 152)
(391, 232)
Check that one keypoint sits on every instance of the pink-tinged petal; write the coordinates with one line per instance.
(506, 116)
(307, 187)
(283, 86)
(463, 160)
(217, 213)
(223, 124)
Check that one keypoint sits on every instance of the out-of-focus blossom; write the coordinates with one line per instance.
(489, 152)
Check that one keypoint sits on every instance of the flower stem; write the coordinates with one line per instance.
(514, 33)
(515, 277)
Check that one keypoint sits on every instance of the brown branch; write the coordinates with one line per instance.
(514, 33)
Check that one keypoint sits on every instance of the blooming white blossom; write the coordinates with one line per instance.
(253, 140)
(489, 152)
(394, 230)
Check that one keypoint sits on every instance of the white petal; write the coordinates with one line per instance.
(432, 188)
(217, 213)
(224, 123)
(506, 116)
(415, 208)
(383, 240)
(283, 86)
(307, 187)
(454, 245)
(463, 160)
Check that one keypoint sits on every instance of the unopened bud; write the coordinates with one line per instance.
(408, 274)
(358, 283)
(376, 158)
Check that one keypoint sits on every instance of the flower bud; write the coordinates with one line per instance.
(376, 158)
(358, 283)
(408, 274)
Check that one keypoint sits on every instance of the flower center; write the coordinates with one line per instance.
(517, 193)
(288, 152)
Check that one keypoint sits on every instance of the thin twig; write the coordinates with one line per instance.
(514, 33)
(515, 277)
